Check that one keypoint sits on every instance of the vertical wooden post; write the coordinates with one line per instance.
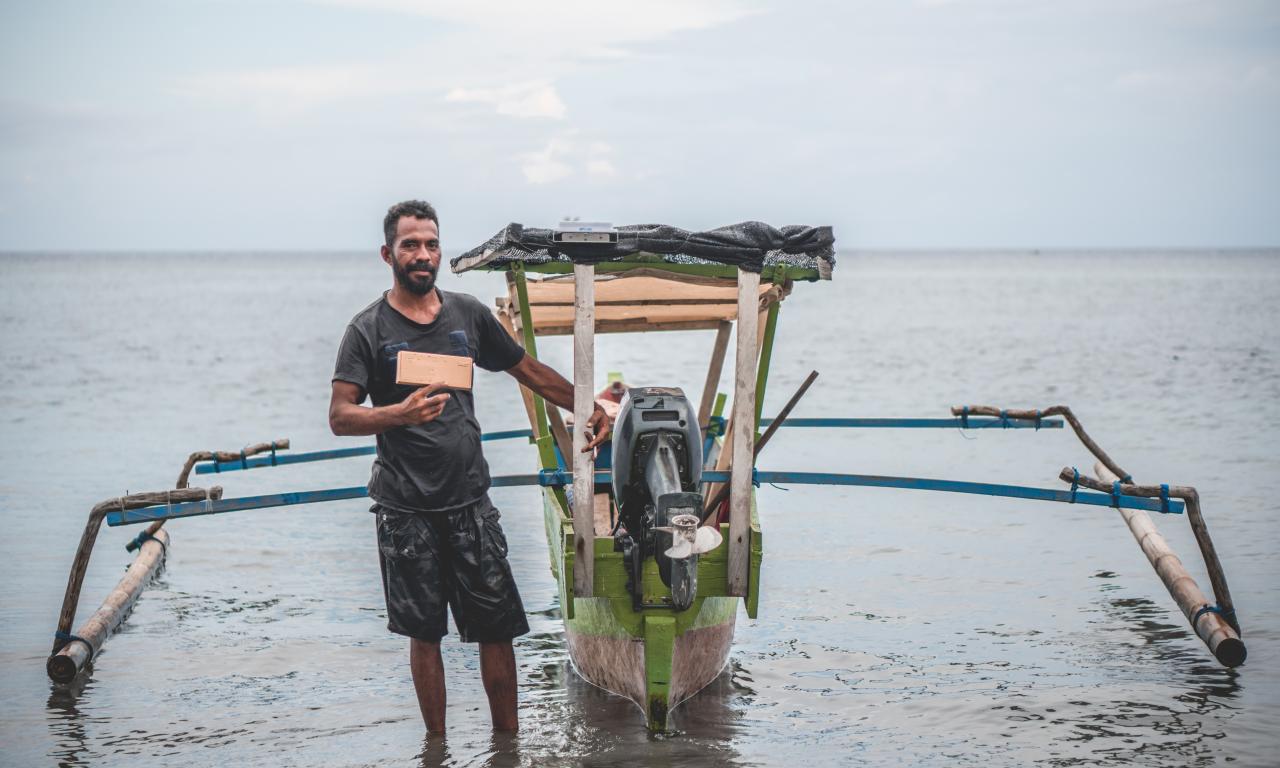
(713, 373)
(584, 341)
(744, 434)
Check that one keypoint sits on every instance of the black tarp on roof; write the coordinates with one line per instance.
(750, 245)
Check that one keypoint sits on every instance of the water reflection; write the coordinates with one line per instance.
(66, 722)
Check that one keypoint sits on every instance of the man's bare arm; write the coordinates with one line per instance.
(348, 417)
(541, 378)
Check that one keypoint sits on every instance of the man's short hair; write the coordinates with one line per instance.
(418, 209)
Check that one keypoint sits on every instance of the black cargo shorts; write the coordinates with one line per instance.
(456, 558)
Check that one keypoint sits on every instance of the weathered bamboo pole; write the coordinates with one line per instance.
(560, 433)
(777, 422)
(1054, 410)
(582, 461)
(64, 665)
(744, 433)
(198, 456)
(1188, 494)
(75, 580)
(714, 369)
(1221, 638)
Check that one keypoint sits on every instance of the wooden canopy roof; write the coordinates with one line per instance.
(634, 303)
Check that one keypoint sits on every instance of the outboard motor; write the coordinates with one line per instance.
(657, 467)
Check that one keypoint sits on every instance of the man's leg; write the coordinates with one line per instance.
(498, 671)
(428, 680)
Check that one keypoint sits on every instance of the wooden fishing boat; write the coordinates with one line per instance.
(651, 565)
(627, 627)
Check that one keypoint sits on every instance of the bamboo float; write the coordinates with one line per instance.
(64, 665)
(1220, 637)
(75, 580)
(1217, 578)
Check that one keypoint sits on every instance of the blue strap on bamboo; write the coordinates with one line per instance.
(1075, 483)
(964, 417)
(273, 454)
(1127, 479)
(143, 538)
(1037, 419)
(1164, 498)
(1228, 615)
(1115, 494)
(213, 456)
(244, 464)
(1004, 419)
(69, 638)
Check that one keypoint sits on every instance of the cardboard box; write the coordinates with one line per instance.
(422, 368)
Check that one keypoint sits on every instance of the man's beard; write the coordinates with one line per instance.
(420, 286)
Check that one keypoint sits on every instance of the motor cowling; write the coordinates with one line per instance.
(657, 467)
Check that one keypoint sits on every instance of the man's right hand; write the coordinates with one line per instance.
(422, 406)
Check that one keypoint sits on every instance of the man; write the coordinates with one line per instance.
(439, 539)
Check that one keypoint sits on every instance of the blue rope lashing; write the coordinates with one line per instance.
(964, 418)
(1115, 494)
(143, 538)
(69, 638)
(273, 454)
(243, 463)
(755, 477)
(1228, 616)
(1037, 419)
(1004, 419)
(548, 477)
(1127, 479)
(1075, 483)
(1164, 498)
(214, 458)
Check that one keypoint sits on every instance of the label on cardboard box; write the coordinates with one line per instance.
(422, 368)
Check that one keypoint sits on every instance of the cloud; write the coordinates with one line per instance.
(532, 100)
(586, 25)
(563, 157)
(548, 164)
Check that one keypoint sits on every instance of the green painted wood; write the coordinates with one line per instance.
(531, 348)
(766, 356)
(659, 645)
(752, 601)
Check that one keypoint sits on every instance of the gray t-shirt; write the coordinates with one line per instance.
(438, 465)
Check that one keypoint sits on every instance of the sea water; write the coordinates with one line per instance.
(894, 626)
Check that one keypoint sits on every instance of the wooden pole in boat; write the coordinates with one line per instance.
(713, 372)
(744, 433)
(584, 311)
(777, 422)
(67, 662)
(1223, 641)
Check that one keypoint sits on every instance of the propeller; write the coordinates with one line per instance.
(689, 538)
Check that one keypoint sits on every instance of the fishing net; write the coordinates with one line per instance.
(750, 245)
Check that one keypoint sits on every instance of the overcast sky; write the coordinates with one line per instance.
(211, 124)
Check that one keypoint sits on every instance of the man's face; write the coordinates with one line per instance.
(415, 255)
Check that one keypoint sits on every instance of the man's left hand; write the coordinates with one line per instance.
(597, 428)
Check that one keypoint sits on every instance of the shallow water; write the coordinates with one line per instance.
(895, 626)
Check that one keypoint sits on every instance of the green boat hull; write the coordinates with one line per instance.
(657, 656)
